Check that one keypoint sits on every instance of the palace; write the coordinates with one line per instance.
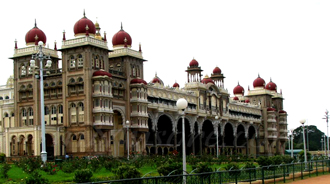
(98, 96)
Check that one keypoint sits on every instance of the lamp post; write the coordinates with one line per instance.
(305, 154)
(327, 119)
(217, 132)
(41, 56)
(127, 141)
(325, 146)
(182, 104)
(291, 143)
(321, 145)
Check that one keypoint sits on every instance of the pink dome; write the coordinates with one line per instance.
(80, 26)
(216, 70)
(238, 90)
(34, 33)
(259, 82)
(193, 63)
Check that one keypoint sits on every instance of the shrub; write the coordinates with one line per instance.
(4, 170)
(277, 160)
(29, 164)
(126, 171)
(95, 164)
(35, 178)
(2, 157)
(264, 161)
(301, 156)
(249, 165)
(67, 167)
(169, 167)
(111, 164)
(83, 175)
(287, 159)
(50, 168)
(202, 167)
(233, 167)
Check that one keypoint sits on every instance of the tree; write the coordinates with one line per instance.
(314, 138)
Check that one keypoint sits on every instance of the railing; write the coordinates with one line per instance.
(266, 174)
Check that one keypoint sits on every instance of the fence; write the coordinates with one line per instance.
(262, 175)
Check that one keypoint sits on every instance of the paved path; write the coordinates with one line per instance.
(324, 179)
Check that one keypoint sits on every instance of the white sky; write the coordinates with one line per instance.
(287, 41)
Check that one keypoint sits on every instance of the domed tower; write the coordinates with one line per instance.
(35, 35)
(207, 80)
(218, 77)
(83, 27)
(157, 81)
(121, 39)
(194, 71)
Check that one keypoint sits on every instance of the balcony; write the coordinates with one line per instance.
(85, 40)
(270, 129)
(33, 50)
(102, 94)
(125, 52)
(102, 110)
(103, 125)
(140, 114)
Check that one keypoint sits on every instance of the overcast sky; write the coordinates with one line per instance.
(287, 41)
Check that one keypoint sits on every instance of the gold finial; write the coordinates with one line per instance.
(125, 40)
(36, 37)
(87, 28)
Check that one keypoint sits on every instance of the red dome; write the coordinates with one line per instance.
(80, 26)
(216, 70)
(207, 80)
(235, 98)
(247, 101)
(101, 73)
(176, 85)
(259, 82)
(193, 63)
(282, 112)
(271, 109)
(238, 90)
(138, 81)
(155, 80)
(119, 38)
(271, 86)
(30, 36)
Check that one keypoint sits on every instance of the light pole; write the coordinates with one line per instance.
(305, 153)
(327, 119)
(325, 146)
(127, 141)
(182, 104)
(217, 132)
(291, 143)
(41, 56)
(321, 145)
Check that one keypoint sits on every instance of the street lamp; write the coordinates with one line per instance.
(291, 143)
(321, 145)
(325, 146)
(41, 56)
(217, 132)
(305, 154)
(327, 120)
(127, 141)
(182, 104)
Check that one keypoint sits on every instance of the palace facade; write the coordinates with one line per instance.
(99, 95)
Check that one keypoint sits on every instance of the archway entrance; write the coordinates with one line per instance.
(49, 147)
(117, 138)
(21, 150)
(165, 134)
(198, 150)
(150, 139)
(228, 139)
(241, 140)
(209, 138)
(188, 136)
(29, 145)
(252, 145)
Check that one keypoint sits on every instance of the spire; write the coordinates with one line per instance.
(55, 46)
(238, 83)
(35, 22)
(140, 47)
(64, 35)
(121, 25)
(270, 79)
(249, 88)
(105, 36)
(281, 91)
(258, 75)
(84, 14)
(15, 44)
(155, 74)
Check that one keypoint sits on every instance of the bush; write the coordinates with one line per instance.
(126, 171)
(2, 157)
(95, 163)
(169, 167)
(50, 168)
(249, 165)
(301, 156)
(111, 164)
(67, 167)
(4, 170)
(287, 159)
(233, 167)
(83, 175)
(277, 160)
(202, 167)
(264, 161)
(29, 164)
(35, 178)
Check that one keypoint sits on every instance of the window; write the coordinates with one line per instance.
(80, 61)
(1, 98)
(46, 110)
(81, 105)
(30, 121)
(97, 62)
(97, 102)
(74, 137)
(30, 112)
(53, 110)
(73, 105)
(82, 137)
(6, 115)
(24, 112)
(72, 62)
(23, 70)
(60, 109)
(60, 90)
(12, 114)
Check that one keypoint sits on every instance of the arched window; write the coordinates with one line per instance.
(81, 107)
(53, 110)
(46, 110)
(1, 98)
(12, 114)
(23, 70)
(24, 112)
(60, 109)
(30, 112)
(82, 137)
(97, 62)
(6, 115)
(74, 137)
(72, 62)
(73, 105)
(80, 61)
